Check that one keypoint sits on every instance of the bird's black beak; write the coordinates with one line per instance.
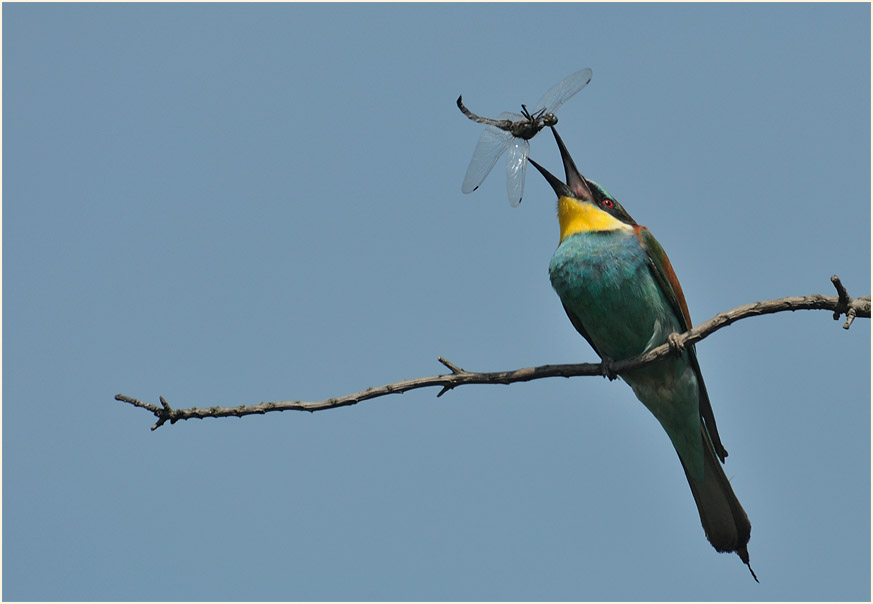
(575, 185)
(561, 189)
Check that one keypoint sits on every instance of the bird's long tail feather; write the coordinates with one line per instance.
(724, 520)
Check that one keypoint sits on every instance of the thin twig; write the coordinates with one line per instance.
(840, 304)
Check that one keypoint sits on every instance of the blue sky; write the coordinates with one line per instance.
(228, 204)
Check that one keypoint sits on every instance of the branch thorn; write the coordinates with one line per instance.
(850, 316)
(844, 302)
(455, 369)
(164, 415)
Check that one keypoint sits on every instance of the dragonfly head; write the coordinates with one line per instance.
(539, 118)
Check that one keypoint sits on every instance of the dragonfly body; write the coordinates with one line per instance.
(512, 131)
(526, 128)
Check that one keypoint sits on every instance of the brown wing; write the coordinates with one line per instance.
(665, 276)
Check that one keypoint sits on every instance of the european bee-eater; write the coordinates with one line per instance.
(620, 292)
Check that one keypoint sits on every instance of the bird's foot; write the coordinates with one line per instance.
(607, 370)
(676, 345)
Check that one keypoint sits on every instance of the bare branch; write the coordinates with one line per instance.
(842, 304)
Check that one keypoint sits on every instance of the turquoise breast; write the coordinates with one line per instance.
(603, 278)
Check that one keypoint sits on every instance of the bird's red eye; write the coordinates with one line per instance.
(607, 203)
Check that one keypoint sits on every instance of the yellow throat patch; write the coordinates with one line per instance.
(576, 216)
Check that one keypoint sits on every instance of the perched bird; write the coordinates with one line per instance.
(620, 292)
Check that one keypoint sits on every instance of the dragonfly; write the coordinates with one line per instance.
(512, 131)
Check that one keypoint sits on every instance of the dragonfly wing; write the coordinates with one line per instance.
(563, 90)
(490, 147)
(515, 167)
(512, 117)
